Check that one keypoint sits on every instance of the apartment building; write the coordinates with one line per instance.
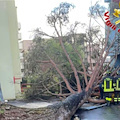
(24, 46)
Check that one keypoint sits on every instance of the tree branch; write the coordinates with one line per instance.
(70, 61)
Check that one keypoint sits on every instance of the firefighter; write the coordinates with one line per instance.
(107, 85)
(117, 88)
(101, 91)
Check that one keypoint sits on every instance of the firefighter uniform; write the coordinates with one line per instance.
(108, 89)
(117, 89)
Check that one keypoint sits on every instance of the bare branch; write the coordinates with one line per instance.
(40, 33)
(70, 61)
(84, 69)
(43, 61)
(67, 94)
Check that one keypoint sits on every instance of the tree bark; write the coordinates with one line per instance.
(63, 77)
(64, 110)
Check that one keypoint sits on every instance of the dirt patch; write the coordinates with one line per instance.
(8, 112)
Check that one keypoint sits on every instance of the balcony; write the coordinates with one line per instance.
(20, 45)
(19, 36)
(21, 55)
(22, 66)
(19, 26)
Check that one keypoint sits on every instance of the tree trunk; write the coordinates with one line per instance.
(64, 110)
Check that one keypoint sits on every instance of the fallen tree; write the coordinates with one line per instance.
(83, 90)
(66, 109)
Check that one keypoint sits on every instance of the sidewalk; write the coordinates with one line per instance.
(34, 104)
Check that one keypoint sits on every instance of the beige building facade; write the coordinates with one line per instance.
(24, 46)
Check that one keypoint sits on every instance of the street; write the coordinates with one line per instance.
(104, 113)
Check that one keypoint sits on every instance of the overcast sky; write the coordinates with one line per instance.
(32, 13)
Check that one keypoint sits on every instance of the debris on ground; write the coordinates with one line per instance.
(8, 112)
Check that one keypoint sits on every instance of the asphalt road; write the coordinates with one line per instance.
(104, 113)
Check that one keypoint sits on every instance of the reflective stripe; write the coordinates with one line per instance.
(117, 84)
(108, 99)
(114, 84)
(115, 99)
(109, 87)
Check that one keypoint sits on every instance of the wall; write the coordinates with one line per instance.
(9, 60)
